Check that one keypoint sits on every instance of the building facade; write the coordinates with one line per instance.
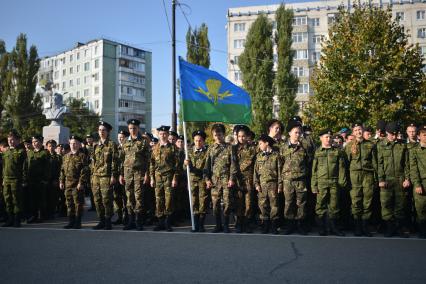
(310, 27)
(113, 79)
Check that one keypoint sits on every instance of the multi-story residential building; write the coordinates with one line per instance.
(113, 79)
(310, 26)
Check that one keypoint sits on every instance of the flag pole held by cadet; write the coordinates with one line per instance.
(208, 96)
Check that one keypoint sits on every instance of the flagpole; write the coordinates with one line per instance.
(188, 175)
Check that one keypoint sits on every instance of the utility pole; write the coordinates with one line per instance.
(174, 115)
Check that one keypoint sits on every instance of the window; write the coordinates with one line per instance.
(96, 77)
(63, 85)
(96, 90)
(71, 70)
(63, 60)
(331, 18)
(236, 58)
(303, 89)
(316, 55)
(422, 50)
(239, 43)
(56, 75)
(138, 66)
(300, 21)
(71, 58)
(299, 71)
(78, 55)
(134, 78)
(421, 33)
(97, 104)
(85, 53)
(237, 76)
(86, 92)
(399, 16)
(96, 50)
(420, 15)
(299, 37)
(86, 79)
(78, 81)
(315, 22)
(64, 72)
(317, 39)
(239, 27)
(56, 62)
(301, 54)
(87, 66)
(96, 63)
(71, 83)
(78, 68)
(78, 94)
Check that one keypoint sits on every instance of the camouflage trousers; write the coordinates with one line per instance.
(420, 203)
(328, 200)
(362, 194)
(220, 192)
(103, 196)
(268, 201)
(163, 195)
(393, 200)
(75, 201)
(244, 199)
(120, 199)
(134, 192)
(200, 197)
(13, 196)
(295, 195)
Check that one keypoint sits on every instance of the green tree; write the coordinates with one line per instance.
(198, 52)
(2, 71)
(286, 82)
(80, 120)
(368, 71)
(256, 63)
(18, 83)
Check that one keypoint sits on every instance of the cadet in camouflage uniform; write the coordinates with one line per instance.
(295, 162)
(74, 175)
(245, 155)
(328, 178)
(134, 173)
(88, 150)
(418, 178)
(164, 173)
(268, 182)
(411, 143)
(14, 177)
(120, 200)
(53, 184)
(3, 148)
(362, 159)
(393, 176)
(181, 192)
(220, 175)
(104, 170)
(196, 163)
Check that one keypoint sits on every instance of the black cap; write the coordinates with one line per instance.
(244, 128)
(292, 124)
(296, 118)
(148, 134)
(252, 134)
(307, 128)
(89, 136)
(392, 127)
(199, 133)
(368, 129)
(164, 128)
(267, 138)
(134, 122)
(75, 137)
(14, 133)
(325, 131)
(28, 141)
(172, 133)
(218, 127)
(124, 132)
(411, 124)
(105, 124)
(37, 137)
(356, 124)
(422, 128)
(155, 140)
(51, 141)
(181, 137)
(272, 122)
(381, 125)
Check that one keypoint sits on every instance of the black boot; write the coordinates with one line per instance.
(265, 227)
(139, 222)
(301, 227)
(160, 226)
(119, 220)
(274, 227)
(77, 224)
(238, 225)
(218, 228)
(365, 229)
(334, 230)
(323, 226)
(10, 220)
(202, 218)
(390, 229)
(358, 227)
(108, 225)
(100, 225)
(71, 221)
(290, 227)
(17, 221)
(401, 228)
(247, 226)
(125, 217)
(422, 230)
(196, 223)
(169, 223)
(131, 223)
(226, 224)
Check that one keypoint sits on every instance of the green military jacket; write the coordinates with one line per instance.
(165, 160)
(418, 166)
(197, 162)
(74, 169)
(38, 166)
(267, 169)
(392, 160)
(220, 163)
(136, 156)
(328, 167)
(55, 161)
(104, 162)
(295, 162)
(245, 158)
(14, 164)
(364, 158)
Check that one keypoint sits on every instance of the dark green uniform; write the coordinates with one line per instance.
(53, 192)
(418, 178)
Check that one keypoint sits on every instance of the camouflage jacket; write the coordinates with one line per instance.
(220, 163)
(38, 166)
(328, 167)
(418, 166)
(74, 169)
(104, 162)
(14, 164)
(392, 160)
(295, 162)
(267, 169)
(197, 162)
(245, 158)
(365, 156)
(165, 160)
(136, 156)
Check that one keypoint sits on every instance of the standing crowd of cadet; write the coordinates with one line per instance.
(283, 181)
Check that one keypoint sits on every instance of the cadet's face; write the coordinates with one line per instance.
(179, 143)
(74, 145)
(121, 138)
(89, 140)
(295, 134)
(51, 147)
(36, 144)
(422, 137)
(198, 142)
(12, 141)
(242, 137)
(163, 135)
(172, 139)
(275, 130)
(263, 146)
(367, 135)
(133, 130)
(58, 150)
(326, 140)
(391, 137)
(411, 132)
(218, 136)
(103, 132)
(357, 132)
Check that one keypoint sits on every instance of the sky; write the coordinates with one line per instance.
(54, 26)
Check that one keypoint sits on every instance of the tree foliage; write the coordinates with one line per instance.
(368, 71)
(80, 120)
(256, 65)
